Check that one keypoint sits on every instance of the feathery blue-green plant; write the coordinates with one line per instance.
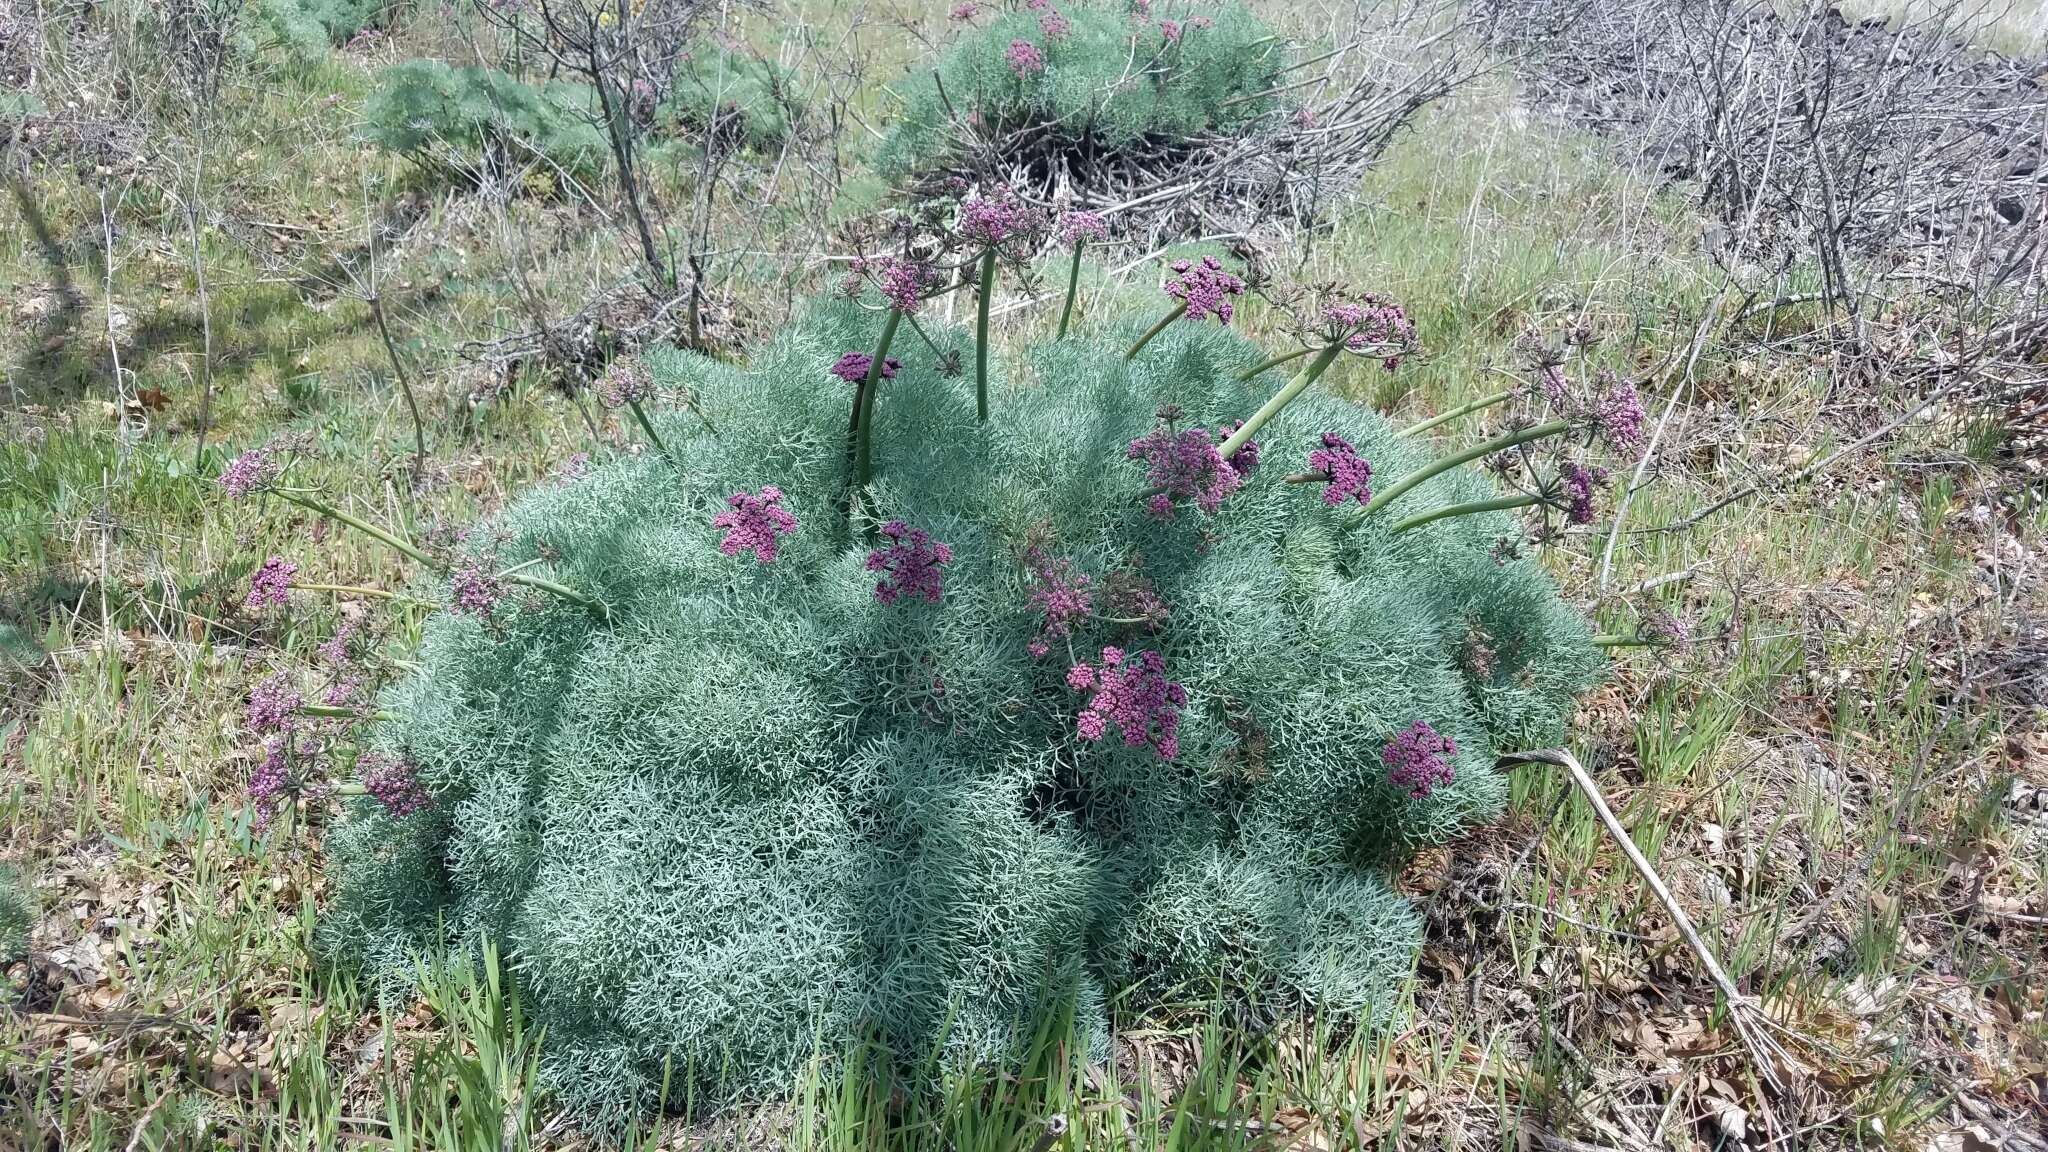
(908, 736)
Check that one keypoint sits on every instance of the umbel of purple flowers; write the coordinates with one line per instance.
(909, 563)
(754, 522)
(1133, 696)
(1419, 760)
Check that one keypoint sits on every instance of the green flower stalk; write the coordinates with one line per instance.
(320, 507)
(1280, 400)
(336, 712)
(1253, 372)
(1075, 229)
(647, 427)
(1469, 508)
(1484, 402)
(1476, 452)
(988, 290)
(864, 415)
(1176, 312)
(358, 590)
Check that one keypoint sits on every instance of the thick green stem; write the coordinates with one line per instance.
(864, 432)
(1280, 400)
(1469, 508)
(1179, 310)
(1476, 452)
(591, 603)
(321, 508)
(354, 590)
(1073, 285)
(1460, 410)
(647, 426)
(988, 289)
(1275, 362)
(1626, 640)
(344, 713)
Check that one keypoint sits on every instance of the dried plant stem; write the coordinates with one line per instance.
(1179, 310)
(1280, 400)
(1748, 1017)
(1484, 402)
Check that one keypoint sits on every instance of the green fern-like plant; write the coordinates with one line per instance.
(1093, 79)
(470, 119)
(17, 914)
(738, 804)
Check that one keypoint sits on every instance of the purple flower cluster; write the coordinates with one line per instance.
(1372, 323)
(1349, 475)
(1076, 226)
(1054, 26)
(1619, 414)
(1661, 626)
(1131, 597)
(1419, 759)
(966, 11)
(1134, 695)
(395, 782)
(903, 282)
(853, 367)
(574, 468)
(910, 563)
(474, 590)
(272, 583)
(990, 220)
(1171, 30)
(336, 650)
(274, 705)
(753, 522)
(625, 381)
(1059, 594)
(272, 779)
(1024, 58)
(1556, 389)
(1184, 466)
(252, 471)
(1579, 485)
(1205, 287)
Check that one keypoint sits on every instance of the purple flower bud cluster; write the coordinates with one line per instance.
(1171, 30)
(1619, 414)
(1304, 117)
(1054, 26)
(394, 781)
(625, 381)
(274, 705)
(1419, 759)
(251, 472)
(1133, 695)
(1077, 226)
(337, 650)
(1131, 597)
(966, 11)
(1183, 466)
(1205, 287)
(1059, 594)
(853, 367)
(1372, 323)
(903, 282)
(1579, 486)
(1556, 389)
(990, 220)
(1661, 626)
(272, 583)
(474, 590)
(271, 780)
(1349, 475)
(910, 562)
(1024, 58)
(753, 522)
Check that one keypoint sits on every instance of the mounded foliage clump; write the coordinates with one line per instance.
(1070, 87)
(474, 119)
(745, 97)
(753, 812)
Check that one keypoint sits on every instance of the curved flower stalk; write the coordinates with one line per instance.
(1076, 228)
(259, 472)
(1369, 325)
(904, 284)
(1466, 409)
(1199, 288)
(990, 222)
(626, 382)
